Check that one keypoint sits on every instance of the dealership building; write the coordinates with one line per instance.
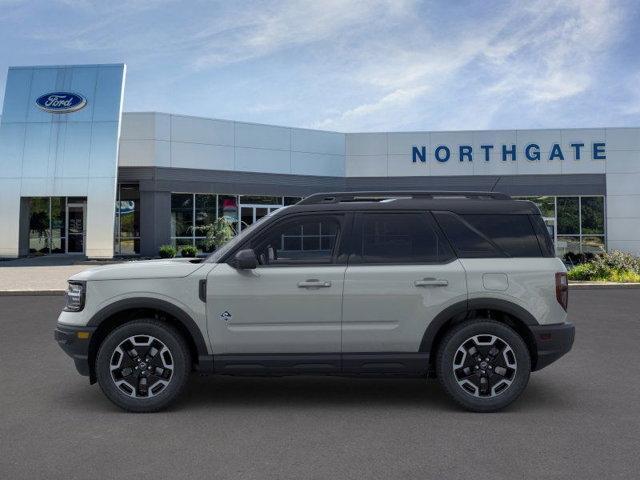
(80, 176)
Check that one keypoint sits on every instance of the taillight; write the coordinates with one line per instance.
(562, 289)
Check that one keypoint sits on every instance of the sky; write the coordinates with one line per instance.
(349, 65)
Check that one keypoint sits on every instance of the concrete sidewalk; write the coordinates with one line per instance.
(41, 275)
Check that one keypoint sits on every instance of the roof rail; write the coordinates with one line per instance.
(337, 197)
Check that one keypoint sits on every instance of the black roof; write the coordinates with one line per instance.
(457, 202)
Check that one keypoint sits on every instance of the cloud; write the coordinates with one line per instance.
(535, 53)
(348, 65)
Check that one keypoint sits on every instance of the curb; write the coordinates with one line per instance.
(601, 285)
(23, 293)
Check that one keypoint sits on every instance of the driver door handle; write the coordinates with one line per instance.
(313, 283)
(431, 282)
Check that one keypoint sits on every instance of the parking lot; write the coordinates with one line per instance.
(579, 418)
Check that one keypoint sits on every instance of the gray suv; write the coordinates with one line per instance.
(463, 286)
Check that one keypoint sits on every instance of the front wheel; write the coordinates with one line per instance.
(483, 365)
(143, 365)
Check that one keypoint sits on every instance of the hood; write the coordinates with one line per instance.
(167, 268)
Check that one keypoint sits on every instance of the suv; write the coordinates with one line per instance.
(463, 286)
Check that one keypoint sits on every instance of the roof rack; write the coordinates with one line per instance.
(337, 197)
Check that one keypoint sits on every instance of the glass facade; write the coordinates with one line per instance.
(57, 225)
(192, 210)
(127, 220)
(577, 224)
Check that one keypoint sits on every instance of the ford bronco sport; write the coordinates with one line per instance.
(463, 286)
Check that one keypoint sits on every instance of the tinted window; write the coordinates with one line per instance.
(400, 238)
(467, 242)
(513, 234)
(544, 238)
(308, 239)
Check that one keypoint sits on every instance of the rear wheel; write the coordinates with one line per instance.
(142, 366)
(483, 365)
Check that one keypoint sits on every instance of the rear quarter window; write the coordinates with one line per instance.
(513, 234)
(491, 235)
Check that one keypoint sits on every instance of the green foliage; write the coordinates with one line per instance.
(614, 266)
(167, 251)
(217, 233)
(188, 251)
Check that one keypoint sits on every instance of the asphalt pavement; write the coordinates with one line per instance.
(579, 418)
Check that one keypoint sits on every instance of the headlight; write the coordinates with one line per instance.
(75, 297)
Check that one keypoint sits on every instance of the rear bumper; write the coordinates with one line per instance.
(552, 342)
(74, 345)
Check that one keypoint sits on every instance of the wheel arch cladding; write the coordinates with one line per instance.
(123, 311)
(496, 309)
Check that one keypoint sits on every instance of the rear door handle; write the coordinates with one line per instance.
(431, 282)
(313, 283)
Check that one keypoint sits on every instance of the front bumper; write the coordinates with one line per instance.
(75, 343)
(552, 342)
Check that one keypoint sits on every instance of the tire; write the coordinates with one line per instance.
(460, 368)
(143, 345)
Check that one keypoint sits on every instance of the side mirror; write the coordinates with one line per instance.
(245, 260)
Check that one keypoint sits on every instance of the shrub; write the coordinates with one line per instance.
(188, 251)
(614, 266)
(578, 258)
(167, 251)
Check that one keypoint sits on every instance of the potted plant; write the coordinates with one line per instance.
(217, 233)
(167, 251)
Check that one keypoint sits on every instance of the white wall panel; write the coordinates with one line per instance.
(140, 153)
(263, 160)
(139, 126)
(201, 130)
(198, 155)
(366, 166)
(401, 165)
(303, 163)
(313, 141)
(623, 139)
(623, 161)
(262, 136)
(366, 144)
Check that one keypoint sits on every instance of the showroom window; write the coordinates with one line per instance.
(192, 210)
(127, 220)
(57, 225)
(576, 224)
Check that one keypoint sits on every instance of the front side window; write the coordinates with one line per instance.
(304, 240)
(399, 238)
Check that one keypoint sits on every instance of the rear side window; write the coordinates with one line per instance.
(513, 234)
(544, 236)
(466, 240)
(399, 238)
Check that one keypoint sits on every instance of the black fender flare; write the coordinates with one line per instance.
(156, 304)
(460, 309)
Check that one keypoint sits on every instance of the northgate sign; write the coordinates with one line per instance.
(531, 152)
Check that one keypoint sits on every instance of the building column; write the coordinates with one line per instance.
(155, 221)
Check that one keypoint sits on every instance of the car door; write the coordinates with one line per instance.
(401, 274)
(289, 304)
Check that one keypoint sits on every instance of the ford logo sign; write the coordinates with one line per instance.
(61, 102)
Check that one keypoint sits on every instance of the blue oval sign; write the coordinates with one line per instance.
(61, 102)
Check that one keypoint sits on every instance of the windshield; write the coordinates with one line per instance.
(238, 239)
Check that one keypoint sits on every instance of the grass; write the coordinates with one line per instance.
(587, 271)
